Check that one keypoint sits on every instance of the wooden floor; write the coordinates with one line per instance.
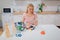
(1, 31)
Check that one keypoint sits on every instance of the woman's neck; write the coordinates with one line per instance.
(30, 14)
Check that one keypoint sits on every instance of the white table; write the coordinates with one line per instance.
(52, 33)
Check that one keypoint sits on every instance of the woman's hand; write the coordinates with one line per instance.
(27, 25)
(35, 23)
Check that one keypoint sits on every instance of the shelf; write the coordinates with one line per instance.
(45, 12)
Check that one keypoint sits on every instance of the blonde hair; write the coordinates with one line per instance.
(29, 5)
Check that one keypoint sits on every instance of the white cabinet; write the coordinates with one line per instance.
(43, 19)
(46, 19)
(0, 20)
(57, 19)
(49, 19)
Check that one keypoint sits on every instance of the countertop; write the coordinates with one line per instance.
(45, 12)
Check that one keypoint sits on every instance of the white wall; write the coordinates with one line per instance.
(6, 3)
(21, 5)
(51, 5)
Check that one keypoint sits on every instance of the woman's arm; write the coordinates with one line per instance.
(23, 18)
(36, 20)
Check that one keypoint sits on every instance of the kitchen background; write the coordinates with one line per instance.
(19, 6)
(49, 18)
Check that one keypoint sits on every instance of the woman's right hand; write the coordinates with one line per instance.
(27, 25)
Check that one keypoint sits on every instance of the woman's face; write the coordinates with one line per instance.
(30, 10)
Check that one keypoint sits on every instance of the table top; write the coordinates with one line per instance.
(51, 33)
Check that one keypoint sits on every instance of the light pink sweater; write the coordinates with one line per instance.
(28, 19)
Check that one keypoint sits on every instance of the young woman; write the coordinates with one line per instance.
(30, 17)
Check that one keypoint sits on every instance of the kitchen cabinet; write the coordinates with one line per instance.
(42, 18)
(0, 20)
